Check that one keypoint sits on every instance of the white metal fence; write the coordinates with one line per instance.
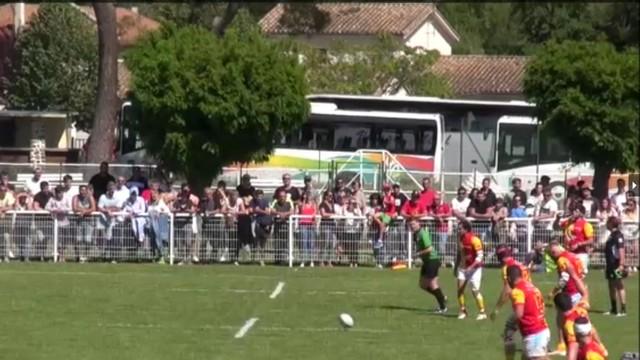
(194, 238)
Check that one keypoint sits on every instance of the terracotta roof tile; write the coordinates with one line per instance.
(482, 74)
(401, 19)
(130, 24)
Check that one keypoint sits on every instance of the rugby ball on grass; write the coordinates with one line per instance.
(346, 320)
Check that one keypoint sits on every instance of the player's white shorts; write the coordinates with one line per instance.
(535, 345)
(475, 278)
(584, 259)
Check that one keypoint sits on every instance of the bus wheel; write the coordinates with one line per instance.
(558, 190)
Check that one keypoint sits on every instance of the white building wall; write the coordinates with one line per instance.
(428, 37)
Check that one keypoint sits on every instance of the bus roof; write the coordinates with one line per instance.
(420, 104)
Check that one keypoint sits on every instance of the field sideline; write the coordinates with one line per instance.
(101, 311)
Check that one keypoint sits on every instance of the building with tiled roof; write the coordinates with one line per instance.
(490, 77)
(415, 24)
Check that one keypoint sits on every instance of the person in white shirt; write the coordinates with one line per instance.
(620, 197)
(460, 203)
(121, 192)
(69, 191)
(109, 207)
(60, 209)
(32, 185)
(544, 216)
(135, 208)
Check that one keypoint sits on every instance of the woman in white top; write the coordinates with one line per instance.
(605, 211)
(353, 229)
(59, 209)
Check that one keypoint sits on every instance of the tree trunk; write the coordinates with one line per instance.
(220, 23)
(601, 180)
(101, 143)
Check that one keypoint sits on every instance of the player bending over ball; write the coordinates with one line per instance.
(468, 268)
(589, 348)
(503, 253)
(569, 315)
(570, 277)
(430, 264)
(528, 309)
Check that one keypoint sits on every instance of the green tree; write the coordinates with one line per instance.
(386, 65)
(209, 101)
(56, 64)
(587, 94)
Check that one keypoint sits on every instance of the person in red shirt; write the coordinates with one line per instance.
(412, 209)
(578, 235)
(503, 253)
(589, 348)
(388, 201)
(427, 194)
(570, 281)
(468, 268)
(569, 315)
(528, 310)
(146, 193)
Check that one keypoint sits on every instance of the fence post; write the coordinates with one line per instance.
(55, 240)
(529, 234)
(409, 246)
(171, 238)
(291, 220)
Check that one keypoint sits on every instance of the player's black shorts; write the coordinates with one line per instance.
(430, 268)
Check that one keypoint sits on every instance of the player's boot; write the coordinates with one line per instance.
(462, 314)
(561, 349)
(481, 316)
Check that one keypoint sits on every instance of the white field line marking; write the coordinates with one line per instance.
(239, 291)
(277, 290)
(245, 328)
(123, 273)
(229, 327)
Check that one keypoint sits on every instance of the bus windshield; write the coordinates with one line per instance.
(517, 147)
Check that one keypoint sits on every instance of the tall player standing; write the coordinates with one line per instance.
(503, 253)
(468, 268)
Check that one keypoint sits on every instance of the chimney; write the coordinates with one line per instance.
(134, 9)
(18, 17)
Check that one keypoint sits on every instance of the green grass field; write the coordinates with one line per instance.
(100, 311)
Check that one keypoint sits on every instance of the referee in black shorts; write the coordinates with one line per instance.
(430, 264)
(615, 270)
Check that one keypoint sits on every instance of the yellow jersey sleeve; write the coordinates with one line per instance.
(517, 297)
(592, 355)
(569, 333)
(476, 243)
(563, 264)
(588, 231)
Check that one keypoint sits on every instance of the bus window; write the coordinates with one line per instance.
(552, 150)
(428, 141)
(397, 140)
(129, 137)
(351, 137)
(517, 146)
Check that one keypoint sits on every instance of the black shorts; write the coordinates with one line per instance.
(610, 273)
(430, 268)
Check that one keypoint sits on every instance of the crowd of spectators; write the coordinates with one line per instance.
(332, 225)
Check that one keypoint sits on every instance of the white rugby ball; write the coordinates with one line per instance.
(346, 320)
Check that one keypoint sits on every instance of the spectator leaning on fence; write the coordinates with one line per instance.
(100, 180)
(7, 203)
(486, 190)
(517, 209)
(281, 208)
(327, 228)
(516, 190)
(620, 197)
(427, 194)
(159, 215)
(153, 186)
(590, 203)
(264, 221)
(59, 208)
(307, 222)
(32, 185)
(135, 208)
(413, 208)
(121, 192)
(69, 190)
(83, 207)
(358, 195)
(40, 199)
(292, 192)
(460, 203)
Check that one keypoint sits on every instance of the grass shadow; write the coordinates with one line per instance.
(412, 309)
